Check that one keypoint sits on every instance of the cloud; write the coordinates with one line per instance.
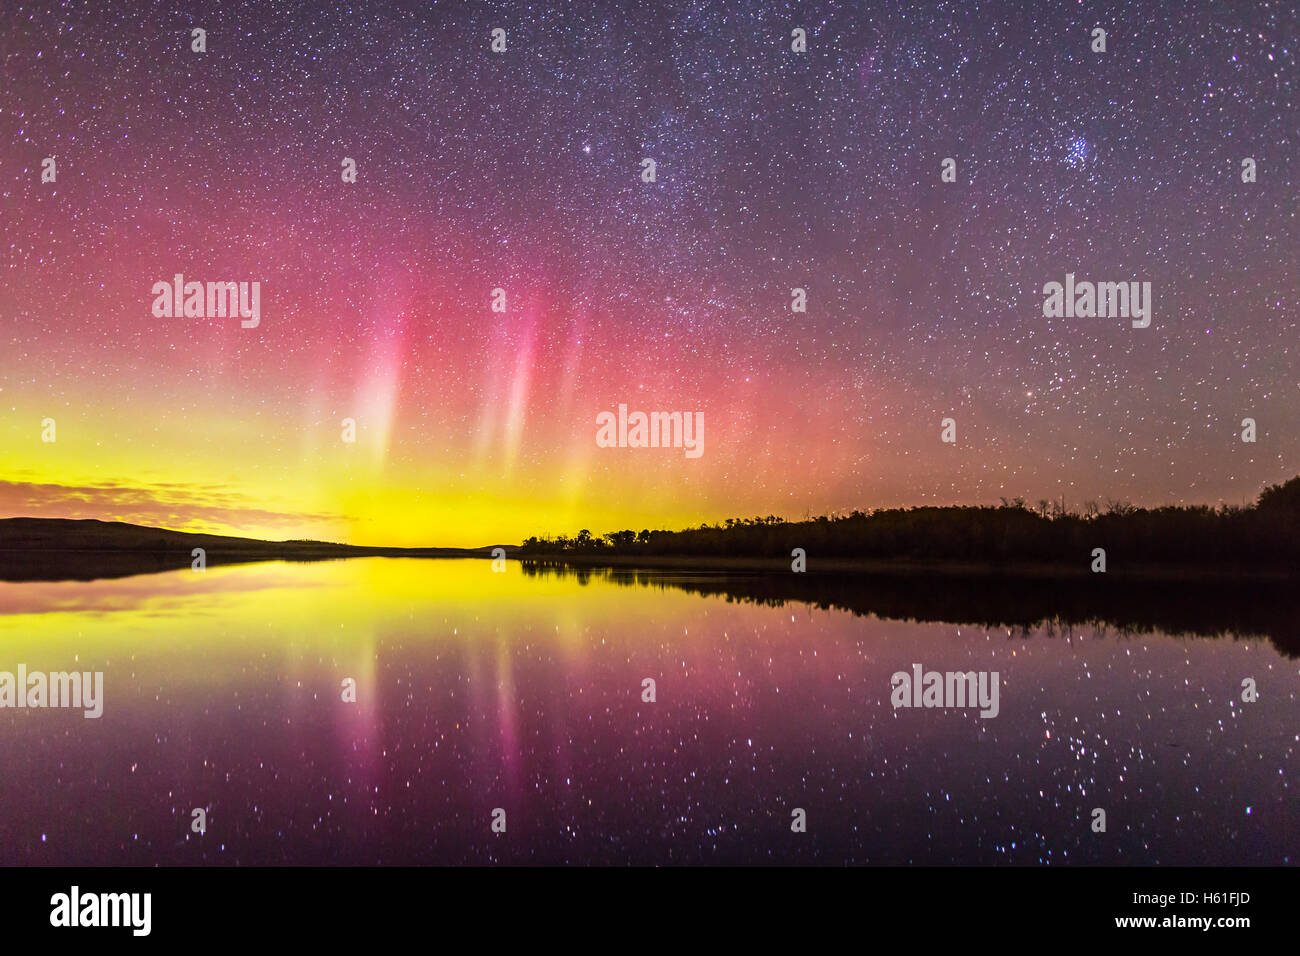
(186, 507)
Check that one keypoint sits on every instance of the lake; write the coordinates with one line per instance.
(522, 692)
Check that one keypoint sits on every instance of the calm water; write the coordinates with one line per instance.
(479, 691)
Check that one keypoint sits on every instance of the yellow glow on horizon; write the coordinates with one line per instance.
(201, 468)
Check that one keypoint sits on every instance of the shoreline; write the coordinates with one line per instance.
(885, 567)
(58, 549)
(50, 564)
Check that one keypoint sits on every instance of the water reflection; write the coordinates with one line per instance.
(1226, 607)
(522, 691)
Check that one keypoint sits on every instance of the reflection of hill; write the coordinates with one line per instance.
(45, 549)
(1203, 608)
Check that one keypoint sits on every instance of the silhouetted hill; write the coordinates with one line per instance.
(34, 549)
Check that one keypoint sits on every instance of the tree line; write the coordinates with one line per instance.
(1266, 532)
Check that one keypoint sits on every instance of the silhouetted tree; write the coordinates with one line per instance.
(1267, 533)
(1284, 498)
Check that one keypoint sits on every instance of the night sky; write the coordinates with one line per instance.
(522, 171)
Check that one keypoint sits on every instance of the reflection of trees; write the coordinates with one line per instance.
(1115, 607)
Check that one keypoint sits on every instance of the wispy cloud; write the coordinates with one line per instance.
(189, 507)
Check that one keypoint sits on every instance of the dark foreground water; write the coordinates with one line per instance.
(522, 692)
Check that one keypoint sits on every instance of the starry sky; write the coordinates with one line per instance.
(522, 171)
